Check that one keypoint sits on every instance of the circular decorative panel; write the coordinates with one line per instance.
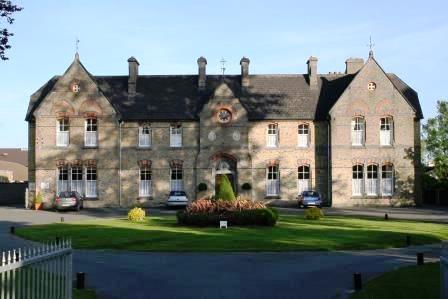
(224, 115)
(236, 136)
(211, 136)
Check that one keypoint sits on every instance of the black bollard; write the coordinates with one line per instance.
(80, 280)
(13, 230)
(58, 240)
(357, 281)
(408, 240)
(420, 259)
(386, 217)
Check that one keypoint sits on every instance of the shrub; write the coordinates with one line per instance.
(314, 213)
(136, 215)
(246, 186)
(225, 190)
(4, 179)
(220, 206)
(202, 187)
(39, 198)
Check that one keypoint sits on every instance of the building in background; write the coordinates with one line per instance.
(13, 165)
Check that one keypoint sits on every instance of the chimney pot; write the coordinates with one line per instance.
(312, 71)
(202, 79)
(353, 65)
(244, 62)
(133, 75)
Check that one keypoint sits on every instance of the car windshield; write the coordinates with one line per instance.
(310, 193)
(67, 194)
(177, 193)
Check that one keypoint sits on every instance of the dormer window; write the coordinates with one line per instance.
(371, 86)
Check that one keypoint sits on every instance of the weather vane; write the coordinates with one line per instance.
(371, 45)
(223, 66)
(77, 44)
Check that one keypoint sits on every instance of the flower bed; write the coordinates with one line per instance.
(207, 212)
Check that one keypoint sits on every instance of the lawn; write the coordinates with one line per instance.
(417, 282)
(292, 233)
(83, 294)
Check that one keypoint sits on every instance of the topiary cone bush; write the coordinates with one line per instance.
(225, 190)
(314, 213)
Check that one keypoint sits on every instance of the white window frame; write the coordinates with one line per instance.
(357, 179)
(272, 180)
(91, 190)
(62, 184)
(272, 136)
(144, 136)
(358, 128)
(387, 180)
(62, 132)
(303, 138)
(145, 182)
(386, 131)
(76, 179)
(91, 132)
(303, 178)
(176, 135)
(372, 180)
(176, 178)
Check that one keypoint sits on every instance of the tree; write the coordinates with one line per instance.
(225, 190)
(6, 10)
(436, 141)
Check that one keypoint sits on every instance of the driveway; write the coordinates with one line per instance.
(118, 274)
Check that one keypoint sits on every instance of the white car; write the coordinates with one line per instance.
(177, 198)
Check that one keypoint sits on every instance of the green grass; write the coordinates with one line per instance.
(416, 282)
(83, 294)
(292, 233)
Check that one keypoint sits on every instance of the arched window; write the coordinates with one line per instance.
(387, 180)
(357, 179)
(272, 136)
(62, 132)
(272, 181)
(144, 136)
(304, 135)
(91, 132)
(303, 178)
(177, 178)
(372, 180)
(145, 187)
(386, 131)
(62, 179)
(358, 131)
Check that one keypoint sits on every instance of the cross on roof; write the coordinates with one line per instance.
(223, 67)
(76, 44)
(371, 45)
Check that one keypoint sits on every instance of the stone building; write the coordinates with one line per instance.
(119, 140)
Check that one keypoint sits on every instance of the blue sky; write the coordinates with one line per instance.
(167, 37)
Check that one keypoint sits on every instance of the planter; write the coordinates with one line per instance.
(37, 206)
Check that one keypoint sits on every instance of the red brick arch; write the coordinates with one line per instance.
(90, 107)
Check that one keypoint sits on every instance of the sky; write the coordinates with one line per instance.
(167, 37)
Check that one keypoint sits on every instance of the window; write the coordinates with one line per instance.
(91, 127)
(357, 180)
(91, 190)
(272, 181)
(371, 86)
(303, 178)
(176, 178)
(272, 136)
(303, 140)
(372, 180)
(386, 131)
(62, 132)
(62, 179)
(387, 180)
(144, 136)
(176, 136)
(358, 126)
(76, 181)
(75, 87)
(145, 189)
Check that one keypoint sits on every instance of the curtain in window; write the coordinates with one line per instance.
(372, 180)
(357, 180)
(303, 137)
(62, 132)
(145, 188)
(303, 178)
(358, 126)
(272, 181)
(387, 180)
(272, 136)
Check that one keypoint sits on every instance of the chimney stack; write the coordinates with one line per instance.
(244, 62)
(202, 79)
(133, 75)
(353, 65)
(312, 71)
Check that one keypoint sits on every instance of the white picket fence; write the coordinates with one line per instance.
(41, 272)
(444, 276)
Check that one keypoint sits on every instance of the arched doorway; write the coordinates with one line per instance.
(227, 167)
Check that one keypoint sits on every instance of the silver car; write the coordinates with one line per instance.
(177, 198)
(310, 198)
(69, 200)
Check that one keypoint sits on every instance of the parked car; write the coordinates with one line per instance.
(69, 200)
(177, 198)
(310, 198)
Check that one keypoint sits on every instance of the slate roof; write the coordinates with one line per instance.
(14, 155)
(176, 97)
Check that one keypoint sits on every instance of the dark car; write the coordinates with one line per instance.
(69, 200)
(310, 198)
